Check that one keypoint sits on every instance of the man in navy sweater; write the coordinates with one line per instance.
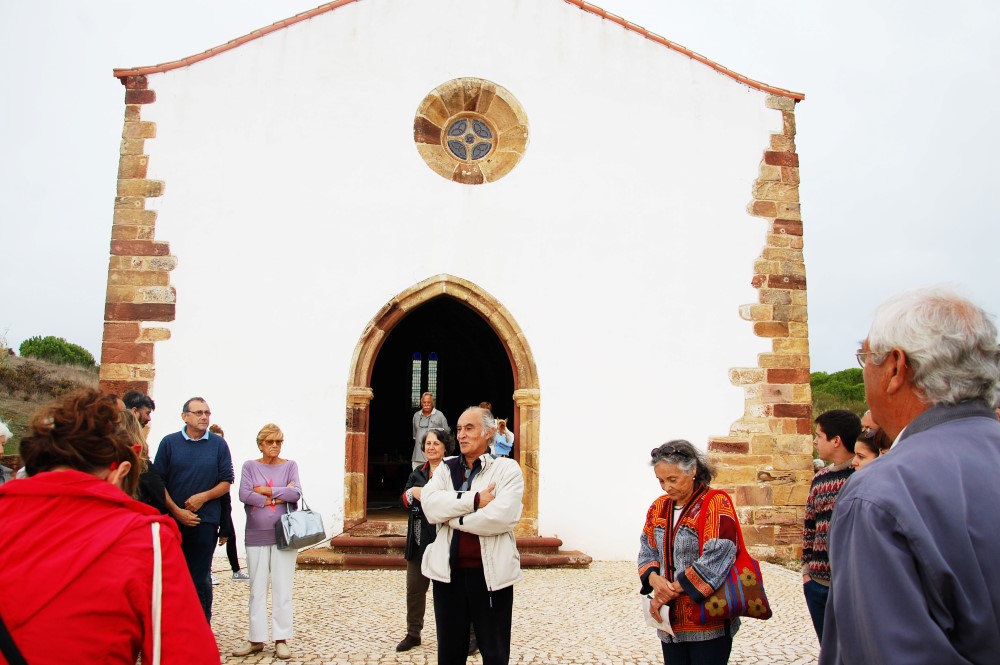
(197, 469)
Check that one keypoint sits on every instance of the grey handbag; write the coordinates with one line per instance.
(300, 528)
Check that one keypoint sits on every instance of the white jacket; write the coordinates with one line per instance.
(494, 524)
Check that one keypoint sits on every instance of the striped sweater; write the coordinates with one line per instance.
(826, 485)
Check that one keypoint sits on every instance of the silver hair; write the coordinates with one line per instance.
(488, 421)
(686, 457)
(5, 430)
(950, 343)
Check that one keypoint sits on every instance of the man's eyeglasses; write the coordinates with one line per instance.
(200, 413)
(867, 432)
(861, 354)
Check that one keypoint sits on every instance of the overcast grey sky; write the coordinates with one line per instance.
(898, 138)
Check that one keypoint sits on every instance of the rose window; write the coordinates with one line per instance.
(470, 131)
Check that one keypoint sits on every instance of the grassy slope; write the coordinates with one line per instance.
(17, 407)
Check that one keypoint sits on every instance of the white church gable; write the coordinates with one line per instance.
(620, 244)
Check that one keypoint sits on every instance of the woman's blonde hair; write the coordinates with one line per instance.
(130, 424)
(268, 430)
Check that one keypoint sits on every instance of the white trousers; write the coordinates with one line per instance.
(272, 567)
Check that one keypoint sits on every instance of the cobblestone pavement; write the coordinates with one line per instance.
(580, 617)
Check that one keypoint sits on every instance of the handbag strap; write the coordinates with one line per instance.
(302, 501)
(157, 592)
(709, 495)
(9, 648)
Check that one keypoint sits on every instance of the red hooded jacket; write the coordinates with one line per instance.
(76, 555)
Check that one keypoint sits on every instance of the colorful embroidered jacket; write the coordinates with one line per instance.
(697, 551)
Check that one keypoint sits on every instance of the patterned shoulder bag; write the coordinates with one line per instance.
(742, 592)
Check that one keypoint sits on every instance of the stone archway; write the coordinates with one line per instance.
(359, 392)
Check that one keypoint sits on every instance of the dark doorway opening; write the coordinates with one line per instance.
(472, 367)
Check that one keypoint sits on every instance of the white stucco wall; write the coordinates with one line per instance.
(298, 205)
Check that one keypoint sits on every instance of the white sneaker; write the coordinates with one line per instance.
(241, 575)
(215, 580)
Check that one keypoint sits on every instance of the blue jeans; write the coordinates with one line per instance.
(816, 595)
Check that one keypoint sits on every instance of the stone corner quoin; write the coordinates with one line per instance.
(765, 462)
(139, 266)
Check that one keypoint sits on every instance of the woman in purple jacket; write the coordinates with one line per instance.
(267, 486)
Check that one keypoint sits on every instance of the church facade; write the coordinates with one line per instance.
(535, 204)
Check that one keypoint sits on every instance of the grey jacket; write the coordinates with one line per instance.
(915, 541)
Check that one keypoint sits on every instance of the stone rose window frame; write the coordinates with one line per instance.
(470, 131)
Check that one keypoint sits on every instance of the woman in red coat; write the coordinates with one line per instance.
(78, 552)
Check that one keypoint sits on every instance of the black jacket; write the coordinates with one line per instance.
(419, 533)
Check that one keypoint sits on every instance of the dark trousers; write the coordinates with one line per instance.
(231, 554)
(709, 652)
(464, 601)
(198, 545)
(816, 595)
(416, 598)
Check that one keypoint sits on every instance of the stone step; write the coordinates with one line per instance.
(321, 558)
(378, 529)
(380, 552)
(388, 544)
(369, 545)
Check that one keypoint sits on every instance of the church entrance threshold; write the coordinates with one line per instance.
(360, 551)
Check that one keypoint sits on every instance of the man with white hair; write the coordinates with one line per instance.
(475, 498)
(914, 539)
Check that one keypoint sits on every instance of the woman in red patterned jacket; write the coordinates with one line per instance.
(688, 544)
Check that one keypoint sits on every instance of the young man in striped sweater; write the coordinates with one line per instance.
(836, 432)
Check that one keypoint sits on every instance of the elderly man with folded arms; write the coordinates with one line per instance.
(473, 563)
(914, 540)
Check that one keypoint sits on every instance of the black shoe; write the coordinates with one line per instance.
(473, 645)
(408, 643)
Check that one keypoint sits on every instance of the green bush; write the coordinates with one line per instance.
(841, 390)
(56, 350)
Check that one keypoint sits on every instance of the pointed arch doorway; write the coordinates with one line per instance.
(496, 366)
(442, 347)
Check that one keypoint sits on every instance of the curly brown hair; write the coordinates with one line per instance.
(81, 431)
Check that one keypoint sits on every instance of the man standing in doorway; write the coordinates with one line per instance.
(426, 418)
(914, 542)
(473, 562)
(197, 469)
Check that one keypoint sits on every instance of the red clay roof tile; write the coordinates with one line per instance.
(330, 6)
